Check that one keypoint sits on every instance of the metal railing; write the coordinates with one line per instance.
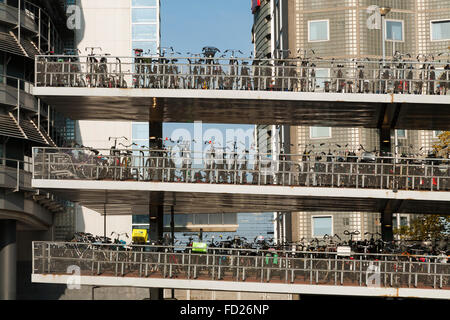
(312, 75)
(28, 15)
(362, 171)
(23, 172)
(299, 267)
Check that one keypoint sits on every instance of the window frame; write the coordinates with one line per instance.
(431, 30)
(385, 30)
(317, 138)
(436, 136)
(321, 216)
(328, 30)
(404, 137)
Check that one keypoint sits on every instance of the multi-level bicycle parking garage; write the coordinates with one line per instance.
(278, 271)
(267, 91)
(387, 95)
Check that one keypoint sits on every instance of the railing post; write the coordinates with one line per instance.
(189, 265)
(48, 258)
(213, 264)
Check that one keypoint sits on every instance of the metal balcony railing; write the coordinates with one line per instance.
(363, 171)
(16, 172)
(243, 265)
(298, 75)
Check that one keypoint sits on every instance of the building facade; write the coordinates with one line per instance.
(114, 27)
(27, 29)
(351, 29)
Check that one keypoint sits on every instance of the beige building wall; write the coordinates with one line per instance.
(105, 24)
(349, 37)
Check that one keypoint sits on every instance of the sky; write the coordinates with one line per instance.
(188, 26)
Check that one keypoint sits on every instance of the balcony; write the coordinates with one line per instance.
(314, 92)
(15, 91)
(242, 270)
(200, 182)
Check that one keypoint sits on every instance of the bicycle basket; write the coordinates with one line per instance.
(139, 236)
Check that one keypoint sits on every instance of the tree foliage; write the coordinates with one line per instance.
(425, 227)
(442, 147)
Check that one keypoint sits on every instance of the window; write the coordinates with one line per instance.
(144, 31)
(403, 221)
(145, 27)
(401, 134)
(394, 30)
(318, 30)
(440, 30)
(322, 225)
(144, 3)
(436, 133)
(144, 15)
(320, 132)
(346, 221)
(140, 131)
(322, 75)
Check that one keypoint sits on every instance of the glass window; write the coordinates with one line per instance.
(144, 31)
(140, 131)
(140, 219)
(394, 30)
(440, 30)
(346, 221)
(215, 218)
(229, 218)
(318, 30)
(200, 218)
(322, 226)
(436, 133)
(403, 221)
(401, 134)
(320, 132)
(142, 15)
(144, 3)
(322, 75)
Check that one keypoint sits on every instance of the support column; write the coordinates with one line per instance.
(156, 233)
(156, 207)
(8, 259)
(385, 140)
(387, 231)
(390, 208)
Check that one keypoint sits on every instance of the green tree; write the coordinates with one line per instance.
(424, 227)
(442, 147)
